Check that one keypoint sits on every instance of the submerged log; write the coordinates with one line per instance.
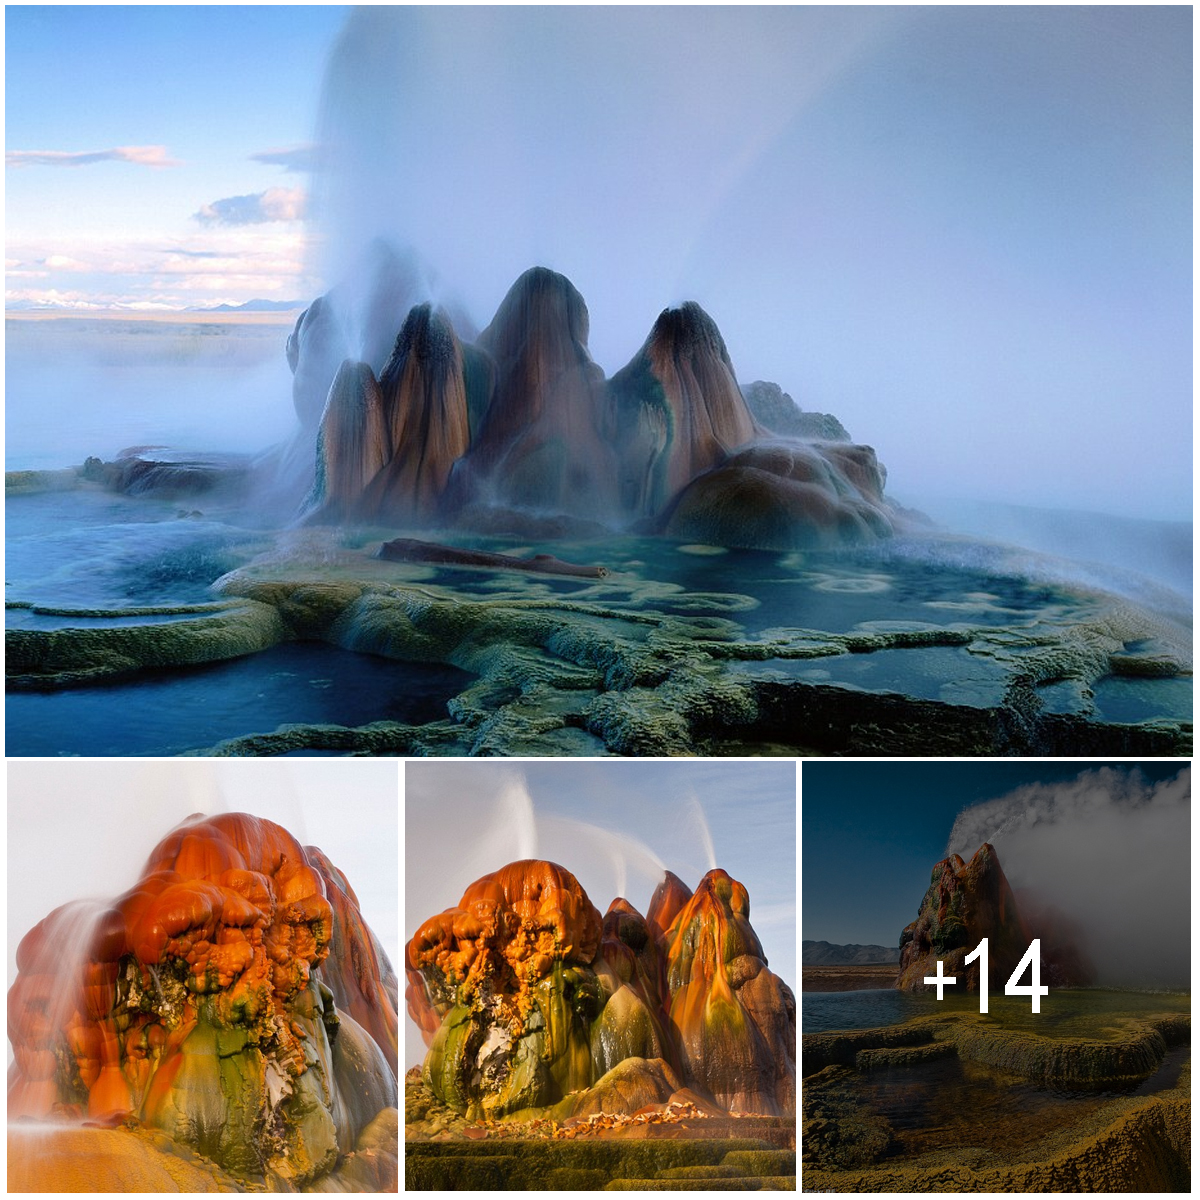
(415, 550)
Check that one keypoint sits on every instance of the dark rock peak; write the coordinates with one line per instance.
(778, 413)
(386, 284)
(426, 335)
(964, 903)
(687, 330)
(539, 301)
(669, 897)
(624, 923)
(621, 907)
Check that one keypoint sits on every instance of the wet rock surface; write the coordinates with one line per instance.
(676, 409)
(676, 648)
(534, 1008)
(540, 444)
(774, 410)
(197, 1004)
(971, 1103)
(786, 496)
(519, 427)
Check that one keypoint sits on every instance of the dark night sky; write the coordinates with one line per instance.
(871, 833)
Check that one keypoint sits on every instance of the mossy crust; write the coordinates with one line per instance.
(882, 1059)
(588, 1164)
(1133, 1054)
(44, 659)
(716, 1183)
(628, 666)
(1123, 1143)
(1145, 1149)
(721, 1171)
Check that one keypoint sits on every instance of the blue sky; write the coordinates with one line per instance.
(212, 87)
(463, 820)
(872, 832)
(965, 230)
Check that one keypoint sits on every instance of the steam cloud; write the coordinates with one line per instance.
(1111, 851)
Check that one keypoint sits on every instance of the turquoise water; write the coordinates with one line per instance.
(89, 549)
(1128, 700)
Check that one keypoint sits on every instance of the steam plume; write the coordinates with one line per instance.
(1109, 850)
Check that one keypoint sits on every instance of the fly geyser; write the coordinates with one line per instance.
(534, 1006)
(230, 1018)
(717, 570)
(969, 901)
(520, 426)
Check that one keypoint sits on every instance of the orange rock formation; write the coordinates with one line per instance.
(227, 951)
(509, 930)
(354, 442)
(528, 1000)
(736, 1021)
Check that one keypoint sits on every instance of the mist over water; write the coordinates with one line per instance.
(76, 387)
(964, 231)
(1113, 853)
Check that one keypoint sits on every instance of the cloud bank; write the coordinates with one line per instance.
(217, 264)
(142, 156)
(1112, 852)
(275, 204)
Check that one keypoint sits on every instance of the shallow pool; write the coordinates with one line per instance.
(193, 708)
(823, 1011)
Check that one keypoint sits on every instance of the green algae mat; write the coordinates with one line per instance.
(594, 1164)
(929, 646)
(1095, 1100)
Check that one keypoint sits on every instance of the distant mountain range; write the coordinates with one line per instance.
(826, 954)
(253, 306)
(137, 309)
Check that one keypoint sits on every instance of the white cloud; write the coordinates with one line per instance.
(142, 156)
(64, 262)
(290, 158)
(275, 204)
(52, 298)
(1110, 849)
(222, 264)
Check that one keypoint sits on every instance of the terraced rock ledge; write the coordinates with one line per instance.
(652, 1165)
(623, 667)
(962, 1103)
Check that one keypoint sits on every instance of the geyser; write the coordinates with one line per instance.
(969, 901)
(521, 426)
(1109, 852)
(532, 1004)
(232, 999)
